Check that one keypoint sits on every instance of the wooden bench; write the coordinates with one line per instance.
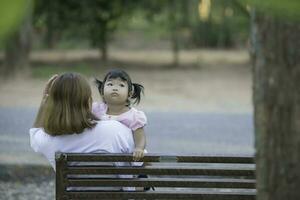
(94, 176)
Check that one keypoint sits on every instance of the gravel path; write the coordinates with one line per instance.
(28, 190)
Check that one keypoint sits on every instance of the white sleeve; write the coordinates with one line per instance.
(34, 139)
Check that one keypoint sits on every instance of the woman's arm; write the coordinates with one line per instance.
(39, 117)
(140, 144)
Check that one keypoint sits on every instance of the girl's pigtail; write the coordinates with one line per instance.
(99, 85)
(137, 90)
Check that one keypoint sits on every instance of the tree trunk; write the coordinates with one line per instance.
(175, 48)
(174, 32)
(17, 49)
(50, 39)
(103, 47)
(99, 38)
(222, 32)
(186, 13)
(103, 41)
(276, 58)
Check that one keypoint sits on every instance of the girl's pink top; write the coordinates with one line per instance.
(133, 118)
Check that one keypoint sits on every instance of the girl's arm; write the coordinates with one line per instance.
(39, 117)
(140, 144)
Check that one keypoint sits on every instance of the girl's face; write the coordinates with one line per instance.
(115, 91)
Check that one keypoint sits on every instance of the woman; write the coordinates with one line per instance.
(65, 122)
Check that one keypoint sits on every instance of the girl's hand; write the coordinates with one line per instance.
(138, 153)
(49, 85)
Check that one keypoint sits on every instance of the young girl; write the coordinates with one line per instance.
(118, 93)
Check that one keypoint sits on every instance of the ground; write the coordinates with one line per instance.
(206, 80)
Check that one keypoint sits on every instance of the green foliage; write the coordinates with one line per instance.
(46, 71)
(288, 9)
(72, 24)
(226, 26)
(152, 28)
(95, 20)
(11, 14)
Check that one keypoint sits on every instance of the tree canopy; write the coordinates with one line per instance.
(11, 14)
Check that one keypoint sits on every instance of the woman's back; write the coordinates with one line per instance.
(105, 137)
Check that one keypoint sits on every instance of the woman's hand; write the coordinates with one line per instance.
(49, 85)
(39, 118)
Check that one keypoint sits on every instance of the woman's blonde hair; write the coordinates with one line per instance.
(68, 107)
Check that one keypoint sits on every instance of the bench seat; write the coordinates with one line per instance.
(213, 177)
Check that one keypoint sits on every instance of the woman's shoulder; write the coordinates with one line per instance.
(38, 138)
(110, 126)
(110, 131)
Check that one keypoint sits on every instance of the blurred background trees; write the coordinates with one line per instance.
(197, 23)
(15, 35)
(75, 21)
(193, 24)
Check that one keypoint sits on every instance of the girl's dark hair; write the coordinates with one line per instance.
(118, 73)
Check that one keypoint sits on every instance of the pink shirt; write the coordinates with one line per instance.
(133, 118)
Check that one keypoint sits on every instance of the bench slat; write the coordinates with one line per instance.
(164, 182)
(75, 157)
(205, 195)
(150, 170)
(218, 159)
(159, 158)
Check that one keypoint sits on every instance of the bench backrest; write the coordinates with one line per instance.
(96, 176)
